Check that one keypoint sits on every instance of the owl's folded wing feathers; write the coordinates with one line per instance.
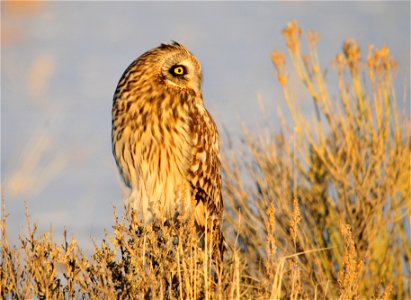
(204, 175)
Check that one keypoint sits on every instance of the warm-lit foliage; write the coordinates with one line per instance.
(317, 208)
(338, 182)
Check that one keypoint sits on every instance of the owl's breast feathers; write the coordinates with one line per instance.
(166, 130)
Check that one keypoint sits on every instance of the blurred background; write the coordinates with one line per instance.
(61, 61)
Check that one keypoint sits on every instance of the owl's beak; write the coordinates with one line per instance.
(195, 83)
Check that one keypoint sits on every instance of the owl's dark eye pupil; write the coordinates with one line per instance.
(178, 70)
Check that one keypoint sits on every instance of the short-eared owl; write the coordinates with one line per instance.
(164, 140)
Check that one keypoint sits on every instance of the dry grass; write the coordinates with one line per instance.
(319, 209)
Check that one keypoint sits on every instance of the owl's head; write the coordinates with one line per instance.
(174, 66)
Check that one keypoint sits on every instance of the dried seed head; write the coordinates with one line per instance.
(279, 61)
(292, 34)
(313, 38)
(353, 54)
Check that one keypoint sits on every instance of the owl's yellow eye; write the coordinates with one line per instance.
(178, 70)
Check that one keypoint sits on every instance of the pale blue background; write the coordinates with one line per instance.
(91, 43)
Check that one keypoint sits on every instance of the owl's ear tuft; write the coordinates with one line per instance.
(174, 43)
(171, 45)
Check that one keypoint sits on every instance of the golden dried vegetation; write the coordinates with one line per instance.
(317, 209)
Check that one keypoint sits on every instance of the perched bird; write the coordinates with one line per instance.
(165, 142)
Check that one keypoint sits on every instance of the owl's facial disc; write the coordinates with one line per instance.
(183, 73)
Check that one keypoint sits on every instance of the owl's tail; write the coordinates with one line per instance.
(212, 236)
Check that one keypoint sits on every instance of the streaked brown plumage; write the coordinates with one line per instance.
(165, 142)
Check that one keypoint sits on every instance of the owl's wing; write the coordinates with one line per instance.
(204, 174)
